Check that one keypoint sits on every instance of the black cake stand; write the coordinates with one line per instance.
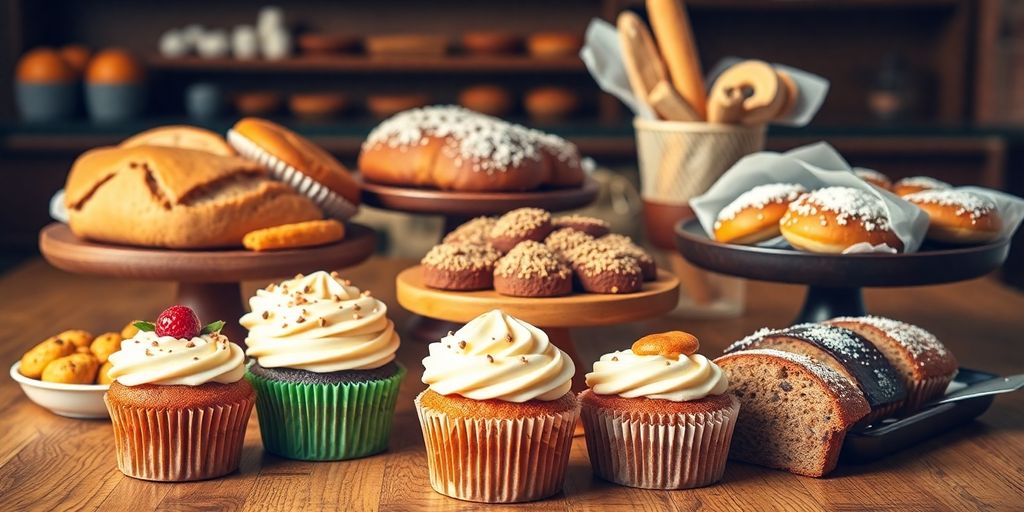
(834, 281)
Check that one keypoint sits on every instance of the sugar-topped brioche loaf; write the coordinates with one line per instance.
(925, 364)
(795, 411)
(831, 219)
(178, 198)
(453, 148)
(845, 352)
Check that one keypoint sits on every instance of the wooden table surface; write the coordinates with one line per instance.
(52, 463)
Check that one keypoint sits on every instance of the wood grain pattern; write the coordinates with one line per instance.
(53, 463)
(578, 309)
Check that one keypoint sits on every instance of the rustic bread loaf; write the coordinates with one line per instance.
(176, 198)
(845, 352)
(795, 410)
(452, 148)
(925, 364)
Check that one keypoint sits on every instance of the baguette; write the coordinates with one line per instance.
(679, 50)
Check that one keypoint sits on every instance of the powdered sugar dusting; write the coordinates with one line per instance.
(846, 203)
(750, 340)
(761, 196)
(924, 182)
(921, 344)
(870, 174)
(842, 387)
(967, 203)
(471, 139)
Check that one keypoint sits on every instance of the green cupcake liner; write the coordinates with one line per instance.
(326, 421)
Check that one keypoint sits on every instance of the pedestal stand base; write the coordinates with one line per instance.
(822, 303)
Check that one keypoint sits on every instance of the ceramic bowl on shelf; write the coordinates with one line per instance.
(71, 400)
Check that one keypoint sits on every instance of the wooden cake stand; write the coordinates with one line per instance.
(458, 207)
(834, 281)
(556, 315)
(208, 280)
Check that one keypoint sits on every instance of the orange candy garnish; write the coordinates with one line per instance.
(669, 344)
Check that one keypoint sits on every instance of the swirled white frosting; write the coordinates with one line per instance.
(150, 359)
(319, 323)
(679, 379)
(496, 356)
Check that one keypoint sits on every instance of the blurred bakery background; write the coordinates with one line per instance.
(919, 87)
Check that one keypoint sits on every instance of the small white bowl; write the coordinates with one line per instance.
(71, 400)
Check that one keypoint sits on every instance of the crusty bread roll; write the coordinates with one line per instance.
(181, 136)
(176, 198)
(452, 148)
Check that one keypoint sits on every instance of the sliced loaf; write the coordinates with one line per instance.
(796, 411)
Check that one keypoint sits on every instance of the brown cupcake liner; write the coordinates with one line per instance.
(659, 451)
(177, 445)
(926, 390)
(496, 460)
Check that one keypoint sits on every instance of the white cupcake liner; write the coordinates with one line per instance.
(497, 460)
(659, 451)
(332, 203)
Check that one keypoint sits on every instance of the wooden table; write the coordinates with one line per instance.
(52, 463)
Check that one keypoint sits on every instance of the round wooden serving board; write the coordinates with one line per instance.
(576, 310)
(469, 204)
(208, 280)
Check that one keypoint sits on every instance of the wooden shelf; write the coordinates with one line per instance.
(364, 64)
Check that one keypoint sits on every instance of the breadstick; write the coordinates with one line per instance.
(679, 50)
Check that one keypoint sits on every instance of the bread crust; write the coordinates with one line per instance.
(175, 198)
(181, 136)
(848, 405)
(300, 153)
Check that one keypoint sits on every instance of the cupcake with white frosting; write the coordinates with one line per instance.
(657, 416)
(498, 416)
(325, 373)
(178, 402)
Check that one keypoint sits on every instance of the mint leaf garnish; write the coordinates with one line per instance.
(213, 327)
(144, 326)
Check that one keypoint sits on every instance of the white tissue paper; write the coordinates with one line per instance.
(58, 211)
(602, 54)
(813, 166)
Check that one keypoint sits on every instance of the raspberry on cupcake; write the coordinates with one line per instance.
(518, 226)
(592, 226)
(625, 244)
(178, 403)
(602, 268)
(473, 231)
(460, 266)
(530, 269)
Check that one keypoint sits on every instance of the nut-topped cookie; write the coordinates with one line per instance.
(563, 240)
(625, 244)
(602, 268)
(530, 269)
(520, 225)
(460, 266)
(473, 231)
(592, 226)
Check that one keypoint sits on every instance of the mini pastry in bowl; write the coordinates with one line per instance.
(325, 373)
(520, 225)
(917, 184)
(831, 219)
(458, 266)
(958, 216)
(873, 177)
(754, 216)
(178, 403)
(658, 416)
(295, 160)
(532, 270)
(498, 416)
